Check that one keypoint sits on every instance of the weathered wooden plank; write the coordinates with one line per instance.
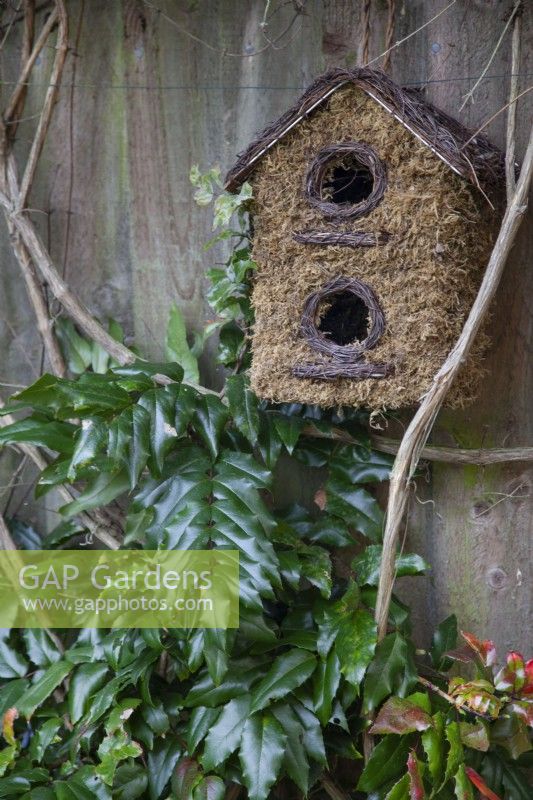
(148, 101)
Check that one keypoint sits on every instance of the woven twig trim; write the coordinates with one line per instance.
(364, 155)
(345, 354)
(345, 360)
(354, 239)
(360, 370)
(474, 158)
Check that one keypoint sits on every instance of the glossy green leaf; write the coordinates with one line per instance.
(12, 664)
(366, 565)
(463, 787)
(295, 761)
(86, 680)
(43, 738)
(209, 421)
(387, 763)
(200, 723)
(455, 755)
(400, 790)
(177, 348)
(210, 788)
(243, 406)
(99, 492)
(130, 782)
(42, 649)
(288, 671)
(114, 748)
(224, 736)
(89, 442)
(161, 762)
(444, 639)
(261, 754)
(355, 644)
(186, 776)
(392, 671)
(326, 679)
(58, 436)
(43, 687)
(434, 744)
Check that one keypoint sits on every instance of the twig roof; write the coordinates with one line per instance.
(475, 159)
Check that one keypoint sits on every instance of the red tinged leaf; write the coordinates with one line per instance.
(480, 784)
(524, 709)
(528, 685)
(512, 677)
(485, 649)
(7, 725)
(321, 499)
(400, 716)
(416, 787)
(476, 695)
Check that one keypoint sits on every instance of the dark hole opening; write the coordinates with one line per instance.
(349, 182)
(345, 319)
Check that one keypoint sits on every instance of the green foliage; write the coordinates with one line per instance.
(184, 714)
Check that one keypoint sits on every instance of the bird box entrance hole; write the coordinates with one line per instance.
(348, 181)
(344, 318)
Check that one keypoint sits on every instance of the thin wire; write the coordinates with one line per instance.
(230, 87)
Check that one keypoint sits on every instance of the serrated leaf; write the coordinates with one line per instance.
(114, 748)
(400, 790)
(313, 740)
(44, 737)
(355, 505)
(40, 646)
(186, 775)
(58, 436)
(475, 735)
(295, 761)
(87, 679)
(99, 492)
(367, 565)
(433, 744)
(200, 723)
(91, 438)
(210, 788)
(355, 645)
(130, 782)
(43, 688)
(326, 679)
(161, 762)
(209, 421)
(463, 787)
(392, 671)
(243, 406)
(387, 763)
(224, 737)
(288, 429)
(444, 639)
(400, 716)
(455, 755)
(288, 671)
(416, 787)
(177, 348)
(261, 754)
(12, 663)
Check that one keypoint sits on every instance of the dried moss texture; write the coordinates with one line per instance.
(426, 275)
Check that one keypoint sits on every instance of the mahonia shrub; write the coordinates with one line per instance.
(285, 705)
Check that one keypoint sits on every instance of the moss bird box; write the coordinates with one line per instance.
(374, 215)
